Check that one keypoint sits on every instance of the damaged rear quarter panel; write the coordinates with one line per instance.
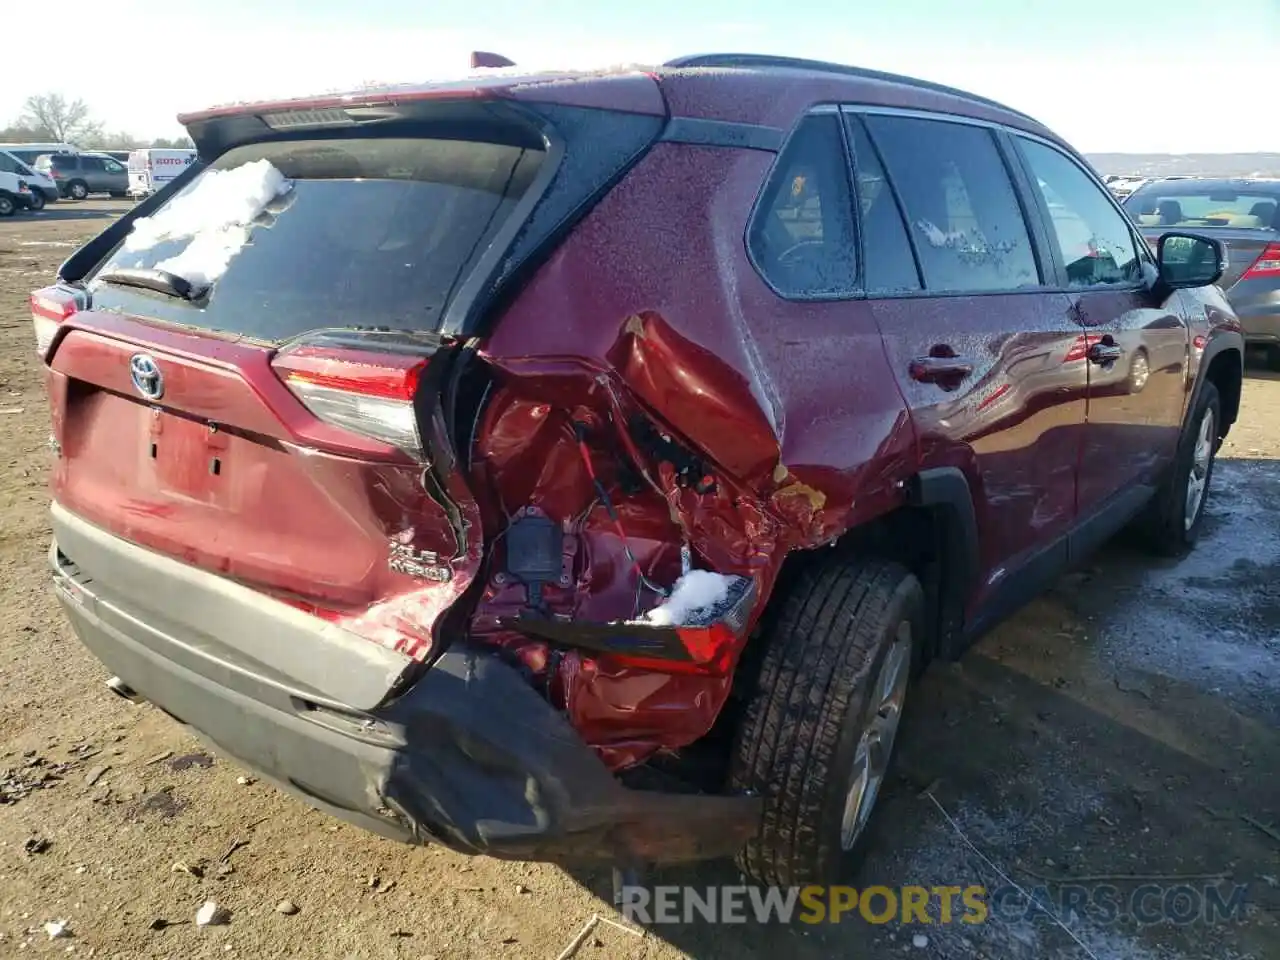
(651, 304)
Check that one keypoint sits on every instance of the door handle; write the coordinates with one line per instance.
(1104, 353)
(948, 370)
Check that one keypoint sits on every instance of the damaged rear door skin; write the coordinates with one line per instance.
(669, 317)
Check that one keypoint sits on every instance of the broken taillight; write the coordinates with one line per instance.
(50, 306)
(710, 645)
(367, 393)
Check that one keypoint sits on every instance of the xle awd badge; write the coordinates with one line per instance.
(423, 564)
(146, 376)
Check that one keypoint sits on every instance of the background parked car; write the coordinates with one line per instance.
(43, 188)
(80, 174)
(15, 195)
(1242, 213)
(28, 153)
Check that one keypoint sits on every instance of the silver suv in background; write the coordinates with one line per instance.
(80, 174)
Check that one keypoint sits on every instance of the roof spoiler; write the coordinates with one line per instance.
(482, 59)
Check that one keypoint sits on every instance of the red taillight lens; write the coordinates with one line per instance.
(368, 393)
(1080, 347)
(1267, 264)
(49, 307)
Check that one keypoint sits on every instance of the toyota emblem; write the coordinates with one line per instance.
(146, 376)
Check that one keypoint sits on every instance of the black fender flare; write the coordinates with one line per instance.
(1219, 341)
(947, 490)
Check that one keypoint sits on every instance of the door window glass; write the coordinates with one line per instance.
(961, 207)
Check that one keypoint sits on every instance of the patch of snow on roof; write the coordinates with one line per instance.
(215, 214)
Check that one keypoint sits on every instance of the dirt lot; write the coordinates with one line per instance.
(1123, 728)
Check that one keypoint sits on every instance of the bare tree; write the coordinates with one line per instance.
(66, 121)
(108, 140)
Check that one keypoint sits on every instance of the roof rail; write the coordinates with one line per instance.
(764, 61)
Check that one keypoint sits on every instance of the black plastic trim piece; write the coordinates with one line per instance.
(947, 488)
(722, 133)
(1220, 341)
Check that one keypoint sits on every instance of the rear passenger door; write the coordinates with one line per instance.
(1136, 344)
(94, 172)
(979, 343)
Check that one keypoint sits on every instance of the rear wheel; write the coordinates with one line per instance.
(1139, 371)
(77, 189)
(1176, 513)
(7, 205)
(818, 736)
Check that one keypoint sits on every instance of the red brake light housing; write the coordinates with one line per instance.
(369, 393)
(708, 648)
(50, 306)
(1080, 347)
(1267, 264)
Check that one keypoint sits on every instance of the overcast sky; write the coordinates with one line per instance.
(1177, 75)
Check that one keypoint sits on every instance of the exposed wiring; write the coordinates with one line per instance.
(580, 433)
(615, 406)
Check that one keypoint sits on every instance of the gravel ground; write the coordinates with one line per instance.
(1123, 726)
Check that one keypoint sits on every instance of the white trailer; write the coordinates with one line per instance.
(149, 170)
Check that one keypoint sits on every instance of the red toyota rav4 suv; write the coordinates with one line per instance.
(581, 466)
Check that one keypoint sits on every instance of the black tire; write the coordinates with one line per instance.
(1169, 530)
(37, 201)
(7, 205)
(813, 701)
(77, 190)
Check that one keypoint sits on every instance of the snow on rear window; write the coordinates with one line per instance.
(214, 215)
(300, 235)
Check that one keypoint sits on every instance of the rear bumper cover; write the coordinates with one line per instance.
(470, 756)
(1259, 313)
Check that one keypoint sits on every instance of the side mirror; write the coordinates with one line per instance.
(1190, 260)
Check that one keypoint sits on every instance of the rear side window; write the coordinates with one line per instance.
(802, 237)
(1094, 240)
(960, 204)
(373, 232)
(889, 264)
(93, 164)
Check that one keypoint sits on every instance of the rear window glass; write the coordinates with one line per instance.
(1172, 206)
(802, 237)
(373, 232)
